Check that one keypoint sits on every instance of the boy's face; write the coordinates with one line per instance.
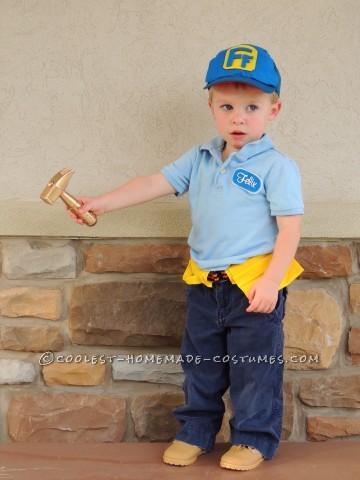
(241, 113)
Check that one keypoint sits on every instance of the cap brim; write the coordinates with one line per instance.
(250, 81)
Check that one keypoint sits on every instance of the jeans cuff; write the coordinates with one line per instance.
(266, 448)
(196, 437)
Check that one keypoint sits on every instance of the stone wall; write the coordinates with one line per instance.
(90, 334)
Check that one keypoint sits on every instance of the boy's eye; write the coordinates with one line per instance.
(227, 108)
(251, 108)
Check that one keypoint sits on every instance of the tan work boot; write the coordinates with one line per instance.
(240, 457)
(181, 453)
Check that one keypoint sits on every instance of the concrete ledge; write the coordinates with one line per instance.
(157, 220)
(143, 461)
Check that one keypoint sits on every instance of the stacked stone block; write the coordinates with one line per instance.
(90, 334)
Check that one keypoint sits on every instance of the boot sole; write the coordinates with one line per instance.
(181, 463)
(245, 468)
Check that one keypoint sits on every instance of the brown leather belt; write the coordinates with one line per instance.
(217, 276)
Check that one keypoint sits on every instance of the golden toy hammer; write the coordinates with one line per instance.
(56, 188)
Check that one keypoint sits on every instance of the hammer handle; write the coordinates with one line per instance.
(89, 218)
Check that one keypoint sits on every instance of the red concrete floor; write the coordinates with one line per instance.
(142, 461)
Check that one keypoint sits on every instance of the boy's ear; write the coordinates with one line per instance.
(211, 107)
(275, 110)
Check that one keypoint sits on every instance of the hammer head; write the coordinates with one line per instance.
(56, 185)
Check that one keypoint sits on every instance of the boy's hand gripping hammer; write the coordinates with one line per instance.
(56, 188)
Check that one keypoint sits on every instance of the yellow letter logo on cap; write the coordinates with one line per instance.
(241, 57)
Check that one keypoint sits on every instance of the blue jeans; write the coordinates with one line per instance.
(225, 346)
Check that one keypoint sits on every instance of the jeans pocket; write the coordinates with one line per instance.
(278, 313)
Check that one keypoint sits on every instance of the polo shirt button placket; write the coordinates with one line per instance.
(219, 179)
(220, 182)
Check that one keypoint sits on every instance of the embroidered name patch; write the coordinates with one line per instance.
(247, 180)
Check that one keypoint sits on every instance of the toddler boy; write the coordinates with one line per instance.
(246, 209)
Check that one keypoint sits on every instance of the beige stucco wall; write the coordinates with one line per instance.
(113, 89)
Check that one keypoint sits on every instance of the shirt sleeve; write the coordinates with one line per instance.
(283, 188)
(178, 173)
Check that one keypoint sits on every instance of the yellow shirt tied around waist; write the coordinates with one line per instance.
(244, 275)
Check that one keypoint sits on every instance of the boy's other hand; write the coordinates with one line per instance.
(263, 296)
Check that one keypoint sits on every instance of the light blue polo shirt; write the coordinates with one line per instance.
(234, 204)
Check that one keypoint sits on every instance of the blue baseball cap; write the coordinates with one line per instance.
(247, 64)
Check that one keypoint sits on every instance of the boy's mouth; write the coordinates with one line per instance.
(237, 133)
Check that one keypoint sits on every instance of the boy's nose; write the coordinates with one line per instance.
(238, 118)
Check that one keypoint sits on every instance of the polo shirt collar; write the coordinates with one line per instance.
(215, 146)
